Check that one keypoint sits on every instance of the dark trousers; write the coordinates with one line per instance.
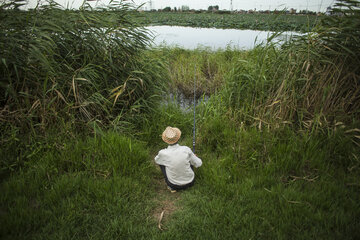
(174, 186)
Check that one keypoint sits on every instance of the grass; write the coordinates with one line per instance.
(253, 184)
(266, 208)
(96, 187)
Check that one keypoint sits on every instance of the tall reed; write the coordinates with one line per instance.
(311, 81)
(74, 65)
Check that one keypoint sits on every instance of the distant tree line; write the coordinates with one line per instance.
(215, 9)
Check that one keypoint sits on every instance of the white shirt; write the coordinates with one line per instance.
(177, 161)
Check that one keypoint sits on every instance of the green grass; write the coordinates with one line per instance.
(263, 207)
(253, 184)
(93, 188)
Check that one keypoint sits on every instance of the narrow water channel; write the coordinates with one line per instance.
(184, 103)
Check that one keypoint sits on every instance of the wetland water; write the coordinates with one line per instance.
(191, 38)
(185, 104)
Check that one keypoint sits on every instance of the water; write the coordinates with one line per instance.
(184, 103)
(191, 38)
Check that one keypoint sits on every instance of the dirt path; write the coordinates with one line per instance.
(166, 201)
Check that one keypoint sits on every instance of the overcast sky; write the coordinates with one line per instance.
(313, 5)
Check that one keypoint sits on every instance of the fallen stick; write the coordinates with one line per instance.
(161, 217)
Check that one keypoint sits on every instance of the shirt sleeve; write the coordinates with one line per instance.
(159, 159)
(194, 160)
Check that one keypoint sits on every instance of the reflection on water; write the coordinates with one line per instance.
(185, 104)
(191, 38)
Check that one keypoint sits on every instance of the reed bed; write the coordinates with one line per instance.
(83, 65)
(263, 22)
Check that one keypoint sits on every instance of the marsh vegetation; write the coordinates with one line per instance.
(81, 116)
(265, 22)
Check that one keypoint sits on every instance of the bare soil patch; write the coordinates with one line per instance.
(166, 202)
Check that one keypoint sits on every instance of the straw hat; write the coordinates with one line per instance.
(171, 135)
